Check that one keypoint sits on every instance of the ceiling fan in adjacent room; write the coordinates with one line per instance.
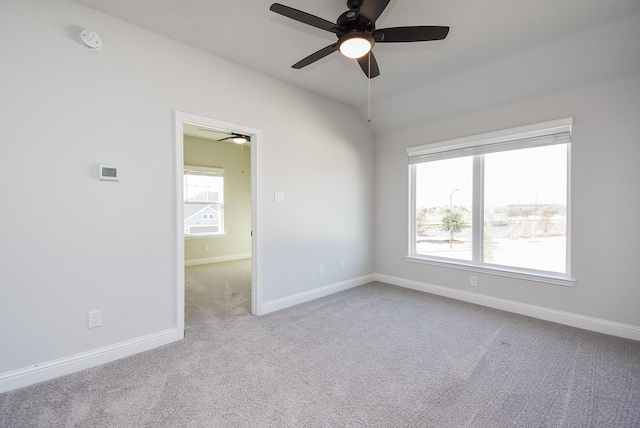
(357, 33)
(235, 137)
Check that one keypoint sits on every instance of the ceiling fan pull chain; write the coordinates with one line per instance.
(242, 156)
(369, 76)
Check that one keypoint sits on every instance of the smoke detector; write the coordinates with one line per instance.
(91, 39)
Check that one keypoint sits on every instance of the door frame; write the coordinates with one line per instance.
(255, 134)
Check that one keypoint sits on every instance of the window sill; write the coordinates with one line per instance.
(216, 235)
(510, 273)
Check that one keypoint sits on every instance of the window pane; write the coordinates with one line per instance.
(202, 188)
(443, 208)
(525, 201)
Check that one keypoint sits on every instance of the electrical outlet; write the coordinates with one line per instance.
(473, 281)
(206, 247)
(342, 264)
(95, 319)
(321, 269)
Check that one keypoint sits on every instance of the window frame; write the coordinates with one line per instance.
(478, 145)
(216, 172)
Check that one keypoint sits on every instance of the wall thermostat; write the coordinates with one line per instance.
(108, 172)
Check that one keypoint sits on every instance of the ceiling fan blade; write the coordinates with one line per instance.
(304, 17)
(364, 65)
(316, 56)
(410, 34)
(372, 9)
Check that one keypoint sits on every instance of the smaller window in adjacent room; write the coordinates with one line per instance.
(496, 202)
(203, 201)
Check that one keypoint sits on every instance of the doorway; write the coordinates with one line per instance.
(212, 129)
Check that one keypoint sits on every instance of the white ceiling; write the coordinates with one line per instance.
(482, 32)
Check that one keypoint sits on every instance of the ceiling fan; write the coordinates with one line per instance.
(357, 33)
(235, 137)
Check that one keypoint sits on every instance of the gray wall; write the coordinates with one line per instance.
(73, 244)
(593, 76)
(605, 201)
(236, 161)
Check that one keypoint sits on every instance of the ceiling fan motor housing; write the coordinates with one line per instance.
(351, 21)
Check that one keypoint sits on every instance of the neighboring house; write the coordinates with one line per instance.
(201, 219)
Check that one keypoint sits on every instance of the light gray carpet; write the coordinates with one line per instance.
(376, 355)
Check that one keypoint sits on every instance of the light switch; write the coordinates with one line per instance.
(278, 196)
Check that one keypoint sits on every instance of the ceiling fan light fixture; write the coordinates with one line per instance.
(239, 139)
(355, 45)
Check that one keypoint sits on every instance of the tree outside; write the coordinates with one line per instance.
(422, 220)
(452, 222)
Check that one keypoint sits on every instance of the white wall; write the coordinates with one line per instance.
(71, 244)
(236, 162)
(605, 204)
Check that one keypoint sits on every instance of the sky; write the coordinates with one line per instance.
(528, 176)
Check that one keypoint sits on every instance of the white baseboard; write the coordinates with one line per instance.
(307, 296)
(30, 375)
(219, 259)
(51, 369)
(574, 320)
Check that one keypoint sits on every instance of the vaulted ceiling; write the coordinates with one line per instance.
(482, 32)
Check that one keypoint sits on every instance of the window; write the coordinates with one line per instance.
(495, 202)
(203, 201)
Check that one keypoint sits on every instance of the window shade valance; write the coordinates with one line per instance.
(205, 171)
(541, 134)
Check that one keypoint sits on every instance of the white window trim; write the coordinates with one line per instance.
(495, 137)
(530, 275)
(487, 139)
(204, 170)
(202, 236)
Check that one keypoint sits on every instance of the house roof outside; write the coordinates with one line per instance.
(193, 210)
